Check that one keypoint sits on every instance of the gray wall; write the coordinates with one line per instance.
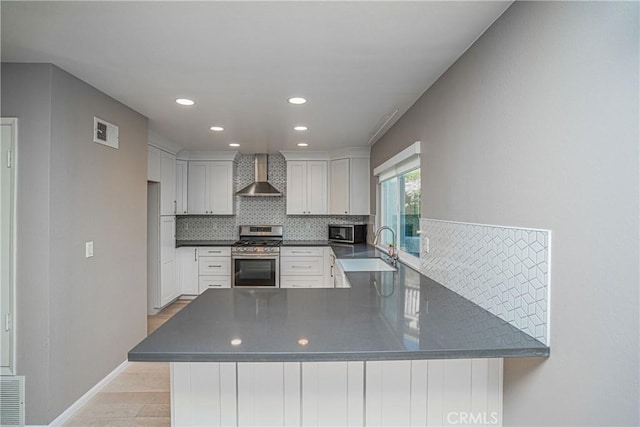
(536, 125)
(88, 312)
(26, 94)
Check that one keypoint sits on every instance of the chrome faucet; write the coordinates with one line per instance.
(394, 257)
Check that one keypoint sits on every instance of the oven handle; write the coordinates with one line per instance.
(257, 256)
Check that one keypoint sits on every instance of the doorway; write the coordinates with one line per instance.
(8, 143)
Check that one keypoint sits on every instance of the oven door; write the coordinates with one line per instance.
(256, 271)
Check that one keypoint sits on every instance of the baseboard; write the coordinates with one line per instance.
(71, 410)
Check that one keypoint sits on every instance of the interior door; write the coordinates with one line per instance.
(7, 171)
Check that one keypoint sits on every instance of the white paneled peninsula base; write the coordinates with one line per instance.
(373, 393)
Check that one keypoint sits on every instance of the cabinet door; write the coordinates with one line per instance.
(339, 187)
(168, 288)
(221, 188)
(359, 186)
(187, 269)
(168, 185)
(181, 187)
(296, 188)
(317, 187)
(153, 164)
(197, 188)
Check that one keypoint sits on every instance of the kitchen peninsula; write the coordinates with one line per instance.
(393, 348)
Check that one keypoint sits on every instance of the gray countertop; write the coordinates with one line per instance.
(383, 316)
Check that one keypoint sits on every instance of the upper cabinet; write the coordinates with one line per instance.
(153, 163)
(161, 167)
(349, 186)
(181, 187)
(168, 184)
(210, 189)
(307, 187)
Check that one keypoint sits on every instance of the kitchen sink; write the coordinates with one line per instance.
(365, 264)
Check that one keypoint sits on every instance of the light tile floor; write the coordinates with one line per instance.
(138, 396)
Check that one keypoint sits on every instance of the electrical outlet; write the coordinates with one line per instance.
(426, 244)
(88, 249)
(186, 226)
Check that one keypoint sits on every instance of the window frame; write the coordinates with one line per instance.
(404, 162)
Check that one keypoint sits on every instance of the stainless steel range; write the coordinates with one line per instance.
(256, 257)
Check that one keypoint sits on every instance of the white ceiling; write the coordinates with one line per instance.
(356, 62)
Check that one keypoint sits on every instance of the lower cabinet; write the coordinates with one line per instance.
(187, 271)
(357, 393)
(214, 268)
(201, 268)
(305, 267)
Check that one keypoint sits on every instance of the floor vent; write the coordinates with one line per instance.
(11, 401)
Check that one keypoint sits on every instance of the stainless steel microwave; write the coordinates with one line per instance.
(348, 233)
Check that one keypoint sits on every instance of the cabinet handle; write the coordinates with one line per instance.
(175, 206)
(300, 266)
(195, 254)
(300, 252)
(215, 266)
(332, 271)
(215, 286)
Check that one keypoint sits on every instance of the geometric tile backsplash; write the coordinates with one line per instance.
(504, 270)
(260, 210)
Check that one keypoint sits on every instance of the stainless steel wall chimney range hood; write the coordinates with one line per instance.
(260, 187)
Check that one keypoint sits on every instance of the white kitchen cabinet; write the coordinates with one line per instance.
(197, 188)
(214, 268)
(187, 270)
(210, 188)
(168, 285)
(154, 161)
(168, 184)
(349, 186)
(305, 267)
(182, 174)
(307, 187)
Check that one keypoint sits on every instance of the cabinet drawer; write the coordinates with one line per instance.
(302, 282)
(214, 266)
(302, 266)
(217, 282)
(302, 251)
(214, 251)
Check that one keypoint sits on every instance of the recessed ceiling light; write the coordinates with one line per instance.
(300, 128)
(302, 144)
(236, 341)
(303, 341)
(217, 128)
(297, 100)
(234, 144)
(185, 101)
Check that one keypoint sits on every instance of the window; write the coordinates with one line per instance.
(400, 210)
(399, 201)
